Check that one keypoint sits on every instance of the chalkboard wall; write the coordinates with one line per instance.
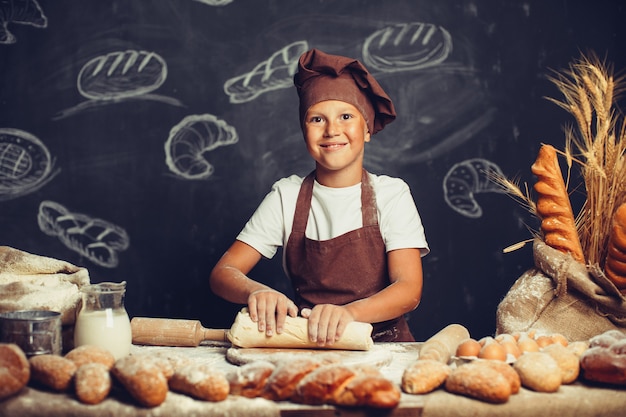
(138, 136)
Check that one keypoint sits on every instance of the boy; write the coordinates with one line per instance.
(353, 241)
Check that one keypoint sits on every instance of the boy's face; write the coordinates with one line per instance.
(335, 133)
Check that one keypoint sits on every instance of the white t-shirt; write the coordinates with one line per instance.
(335, 211)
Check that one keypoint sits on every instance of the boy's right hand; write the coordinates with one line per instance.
(269, 308)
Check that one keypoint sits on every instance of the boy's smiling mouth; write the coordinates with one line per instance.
(333, 145)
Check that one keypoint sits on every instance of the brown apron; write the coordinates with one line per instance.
(343, 269)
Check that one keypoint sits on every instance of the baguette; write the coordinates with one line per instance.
(558, 225)
(615, 265)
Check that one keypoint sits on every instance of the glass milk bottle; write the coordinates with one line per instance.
(103, 320)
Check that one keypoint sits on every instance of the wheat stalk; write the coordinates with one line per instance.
(589, 90)
(596, 144)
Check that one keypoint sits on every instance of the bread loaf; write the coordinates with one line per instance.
(14, 369)
(52, 371)
(605, 360)
(558, 224)
(85, 354)
(142, 378)
(479, 380)
(201, 382)
(424, 376)
(281, 385)
(615, 265)
(538, 371)
(249, 380)
(92, 383)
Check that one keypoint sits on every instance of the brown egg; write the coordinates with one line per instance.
(494, 351)
(559, 338)
(505, 337)
(511, 348)
(526, 344)
(543, 341)
(468, 347)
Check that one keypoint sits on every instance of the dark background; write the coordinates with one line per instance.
(486, 100)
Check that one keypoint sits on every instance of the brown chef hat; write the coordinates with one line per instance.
(323, 77)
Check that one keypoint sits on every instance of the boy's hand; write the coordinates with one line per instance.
(327, 323)
(269, 308)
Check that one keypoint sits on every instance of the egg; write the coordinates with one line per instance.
(559, 338)
(511, 348)
(526, 344)
(543, 341)
(493, 351)
(468, 347)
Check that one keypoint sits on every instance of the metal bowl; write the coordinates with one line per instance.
(36, 332)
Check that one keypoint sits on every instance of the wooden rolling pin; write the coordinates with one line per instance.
(442, 346)
(172, 332)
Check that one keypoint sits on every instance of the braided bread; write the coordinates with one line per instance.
(553, 205)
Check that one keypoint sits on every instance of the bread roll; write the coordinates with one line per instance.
(605, 360)
(615, 265)
(424, 376)
(92, 383)
(52, 371)
(85, 354)
(200, 382)
(558, 224)
(538, 371)
(142, 378)
(14, 369)
(568, 362)
(479, 380)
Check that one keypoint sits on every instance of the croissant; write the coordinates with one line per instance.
(615, 265)
(553, 206)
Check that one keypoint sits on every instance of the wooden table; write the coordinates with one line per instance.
(579, 399)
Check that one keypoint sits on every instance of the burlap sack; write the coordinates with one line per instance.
(34, 282)
(562, 296)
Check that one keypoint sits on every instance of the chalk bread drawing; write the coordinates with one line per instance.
(466, 179)
(406, 46)
(23, 12)
(272, 74)
(215, 2)
(96, 239)
(189, 142)
(25, 164)
(119, 76)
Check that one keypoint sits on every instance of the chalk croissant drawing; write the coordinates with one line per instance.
(190, 141)
(25, 164)
(466, 179)
(96, 239)
(406, 47)
(119, 76)
(274, 73)
(23, 12)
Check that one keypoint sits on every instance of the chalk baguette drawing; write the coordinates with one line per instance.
(466, 179)
(25, 163)
(190, 141)
(96, 239)
(23, 12)
(274, 73)
(215, 2)
(119, 76)
(406, 47)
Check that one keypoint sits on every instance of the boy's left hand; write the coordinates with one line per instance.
(327, 323)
